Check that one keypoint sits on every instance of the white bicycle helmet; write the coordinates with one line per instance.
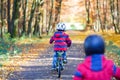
(61, 26)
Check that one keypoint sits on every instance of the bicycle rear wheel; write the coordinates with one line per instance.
(59, 70)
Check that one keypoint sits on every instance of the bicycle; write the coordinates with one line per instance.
(59, 63)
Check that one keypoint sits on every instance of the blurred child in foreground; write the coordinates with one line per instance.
(96, 66)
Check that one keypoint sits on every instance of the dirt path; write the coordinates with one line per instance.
(39, 68)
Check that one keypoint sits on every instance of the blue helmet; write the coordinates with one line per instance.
(94, 44)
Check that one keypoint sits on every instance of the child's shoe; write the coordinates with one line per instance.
(65, 61)
(53, 69)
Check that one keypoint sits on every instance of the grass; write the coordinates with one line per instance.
(17, 46)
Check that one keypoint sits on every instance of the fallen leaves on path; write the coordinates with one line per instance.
(31, 49)
(108, 36)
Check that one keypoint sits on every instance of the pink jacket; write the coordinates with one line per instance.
(97, 67)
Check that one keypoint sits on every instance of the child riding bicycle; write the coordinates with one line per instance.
(61, 42)
(96, 66)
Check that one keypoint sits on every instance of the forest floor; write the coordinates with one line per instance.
(35, 63)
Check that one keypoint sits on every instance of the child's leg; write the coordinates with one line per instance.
(54, 60)
(64, 57)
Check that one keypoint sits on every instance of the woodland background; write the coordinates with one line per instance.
(35, 17)
(27, 25)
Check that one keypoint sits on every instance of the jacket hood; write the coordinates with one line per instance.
(58, 34)
(96, 62)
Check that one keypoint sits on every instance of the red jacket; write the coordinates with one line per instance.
(97, 67)
(61, 41)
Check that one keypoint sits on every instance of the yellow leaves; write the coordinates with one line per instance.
(32, 40)
(11, 66)
(114, 57)
(113, 37)
(31, 49)
(8, 68)
(108, 36)
(79, 37)
(33, 52)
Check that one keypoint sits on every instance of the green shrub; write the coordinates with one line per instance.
(111, 47)
(8, 47)
(72, 26)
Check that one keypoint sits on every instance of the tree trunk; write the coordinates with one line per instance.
(98, 15)
(112, 9)
(8, 17)
(35, 27)
(15, 18)
(47, 14)
(118, 17)
(104, 13)
(24, 17)
(31, 17)
(36, 31)
(1, 34)
(50, 17)
(87, 6)
(58, 10)
(42, 20)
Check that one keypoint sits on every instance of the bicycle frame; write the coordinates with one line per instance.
(59, 63)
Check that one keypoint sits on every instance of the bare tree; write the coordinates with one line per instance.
(15, 18)
(37, 26)
(8, 16)
(50, 17)
(1, 29)
(98, 14)
(25, 2)
(58, 10)
(114, 16)
(87, 6)
(57, 13)
(31, 17)
(118, 16)
(104, 14)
